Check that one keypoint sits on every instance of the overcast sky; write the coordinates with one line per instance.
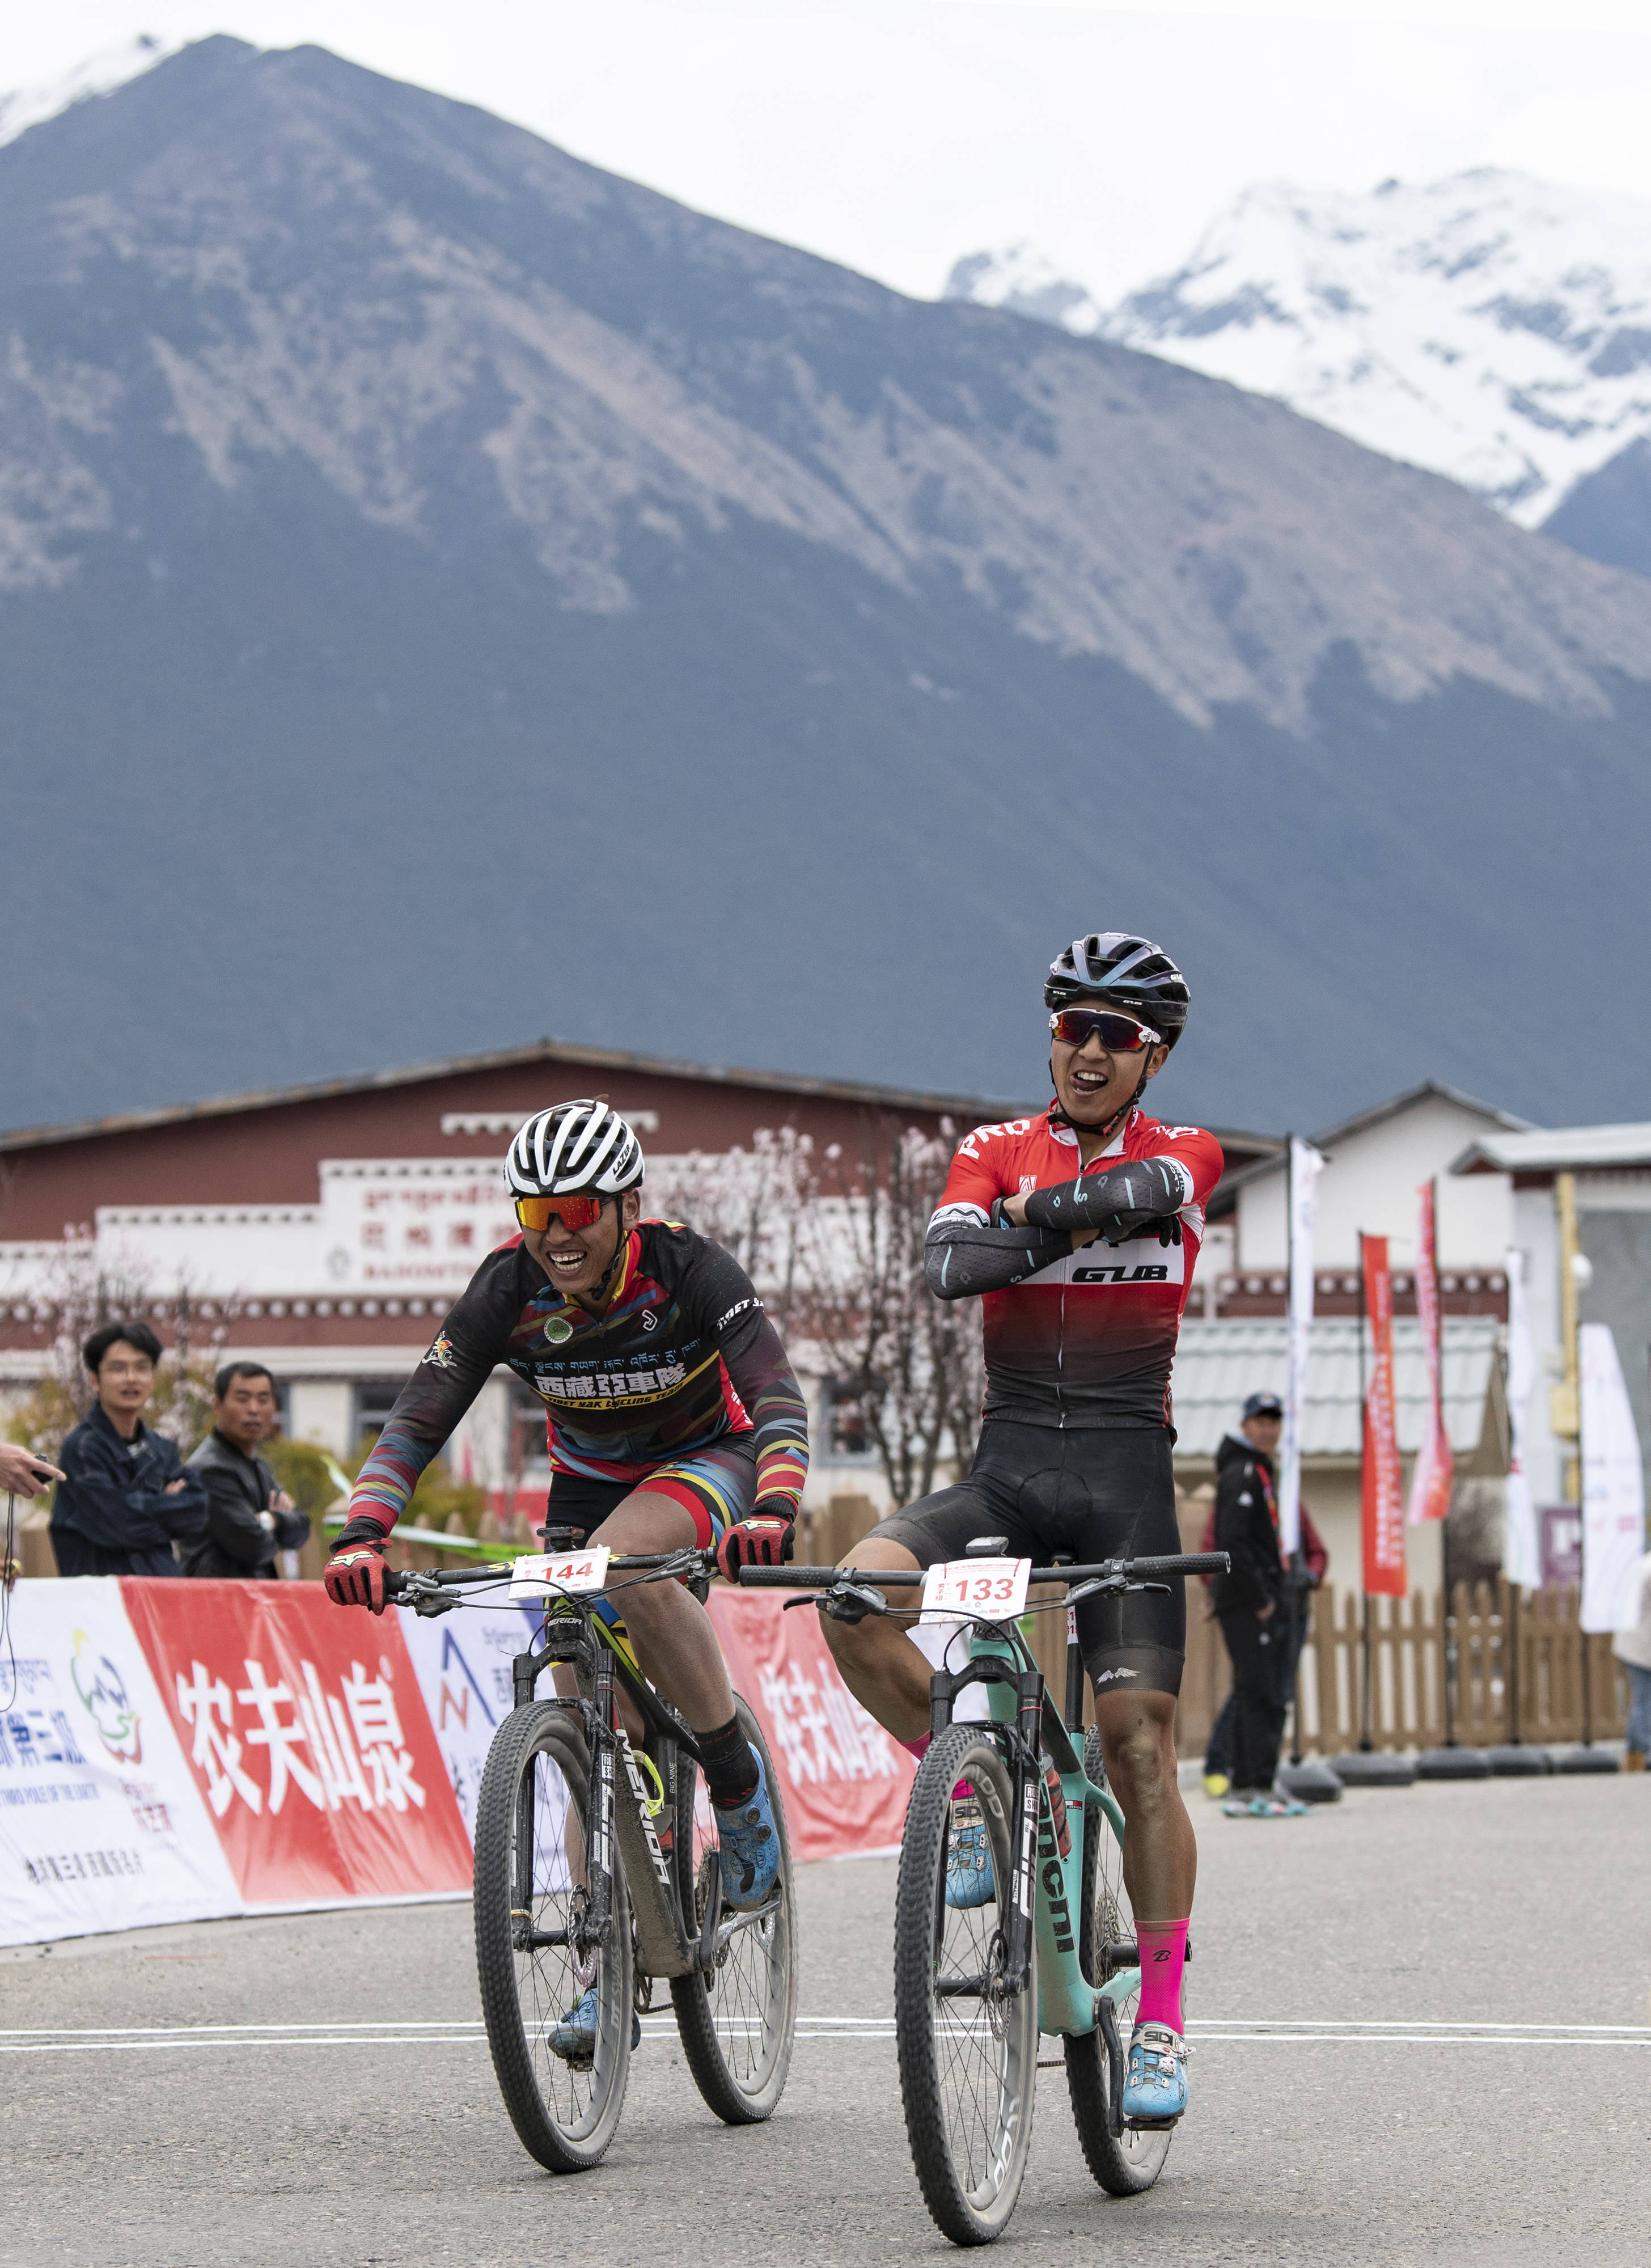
(896, 135)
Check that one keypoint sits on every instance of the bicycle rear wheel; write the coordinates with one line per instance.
(1131, 2162)
(738, 2020)
(530, 1901)
(968, 2058)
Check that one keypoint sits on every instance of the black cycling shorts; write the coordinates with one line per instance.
(1100, 1494)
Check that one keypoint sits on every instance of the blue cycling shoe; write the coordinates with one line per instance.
(747, 1846)
(969, 1876)
(574, 2039)
(1155, 2077)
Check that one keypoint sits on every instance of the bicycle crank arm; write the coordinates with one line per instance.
(1107, 2014)
(732, 1923)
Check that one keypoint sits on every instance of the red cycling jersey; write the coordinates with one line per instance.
(1089, 1340)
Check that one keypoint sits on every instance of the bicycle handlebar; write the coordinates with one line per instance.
(396, 1583)
(1179, 1563)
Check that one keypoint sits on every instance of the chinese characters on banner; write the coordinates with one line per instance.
(1383, 1498)
(1435, 1469)
(98, 1827)
(845, 1781)
(308, 1738)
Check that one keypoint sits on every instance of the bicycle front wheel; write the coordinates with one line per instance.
(562, 2082)
(738, 2018)
(1127, 2163)
(968, 2046)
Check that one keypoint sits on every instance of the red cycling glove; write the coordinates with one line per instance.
(763, 1540)
(354, 1576)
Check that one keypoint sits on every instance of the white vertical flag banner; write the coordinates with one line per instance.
(1522, 1549)
(1306, 1164)
(1613, 1487)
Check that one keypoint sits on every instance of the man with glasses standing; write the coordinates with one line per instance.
(1077, 1229)
(674, 1419)
(125, 1497)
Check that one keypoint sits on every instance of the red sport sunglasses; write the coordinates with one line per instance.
(1119, 1035)
(575, 1212)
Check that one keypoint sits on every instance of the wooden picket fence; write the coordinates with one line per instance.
(1522, 1665)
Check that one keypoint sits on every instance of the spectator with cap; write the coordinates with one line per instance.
(249, 1516)
(125, 1498)
(1256, 1608)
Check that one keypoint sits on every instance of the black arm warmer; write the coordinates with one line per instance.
(962, 1258)
(1151, 1187)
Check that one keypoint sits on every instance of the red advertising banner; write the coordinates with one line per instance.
(1434, 1472)
(308, 1740)
(845, 1781)
(1383, 1498)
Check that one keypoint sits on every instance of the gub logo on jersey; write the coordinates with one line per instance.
(558, 1328)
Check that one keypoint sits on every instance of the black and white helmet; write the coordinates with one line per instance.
(574, 1145)
(1130, 971)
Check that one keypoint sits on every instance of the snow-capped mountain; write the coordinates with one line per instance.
(99, 74)
(1490, 327)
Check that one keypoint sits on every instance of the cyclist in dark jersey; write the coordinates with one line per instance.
(1078, 1230)
(672, 1415)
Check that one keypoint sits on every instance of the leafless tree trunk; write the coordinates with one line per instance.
(913, 1360)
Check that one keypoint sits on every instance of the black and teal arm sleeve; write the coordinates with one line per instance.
(1148, 1188)
(965, 1254)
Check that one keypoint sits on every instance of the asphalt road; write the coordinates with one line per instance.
(1352, 2138)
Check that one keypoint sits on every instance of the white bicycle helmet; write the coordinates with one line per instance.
(571, 1146)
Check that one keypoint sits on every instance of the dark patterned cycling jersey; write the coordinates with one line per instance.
(683, 1356)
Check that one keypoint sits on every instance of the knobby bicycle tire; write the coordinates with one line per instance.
(968, 2067)
(737, 2024)
(535, 1799)
(1131, 2162)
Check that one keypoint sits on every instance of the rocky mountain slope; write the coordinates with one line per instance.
(1490, 327)
(448, 593)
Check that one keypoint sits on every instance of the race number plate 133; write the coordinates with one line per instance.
(992, 1589)
(550, 1574)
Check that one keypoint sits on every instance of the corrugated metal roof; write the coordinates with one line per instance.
(1564, 1149)
(1219, 1363)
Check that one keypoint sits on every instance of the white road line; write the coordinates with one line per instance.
(1353, 2032)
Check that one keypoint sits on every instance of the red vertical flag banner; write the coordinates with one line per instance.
(1384, 1505)
(1434, 1468)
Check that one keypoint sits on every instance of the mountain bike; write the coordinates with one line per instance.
(1053, 1948)
(596, 1867)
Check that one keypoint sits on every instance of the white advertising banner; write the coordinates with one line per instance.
(100, 1826)
(462, 1661)
(1522, 1545)
(1613, 1487)
(1306, 1164)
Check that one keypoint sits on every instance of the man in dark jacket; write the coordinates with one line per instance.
(249, 1517)
(124, 1497)
(1253, 1599)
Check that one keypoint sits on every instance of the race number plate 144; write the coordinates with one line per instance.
(550, 1574)
(993, 1590)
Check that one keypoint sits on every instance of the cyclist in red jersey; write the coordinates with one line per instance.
(1078, 1230)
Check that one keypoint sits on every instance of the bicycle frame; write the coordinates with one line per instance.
(1046, 1894)
(623, 1810)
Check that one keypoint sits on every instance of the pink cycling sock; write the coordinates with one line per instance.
(1163, 1947)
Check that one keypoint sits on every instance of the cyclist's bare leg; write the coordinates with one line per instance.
(880, 1665)
(674, 1639)
(1161, 1855)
